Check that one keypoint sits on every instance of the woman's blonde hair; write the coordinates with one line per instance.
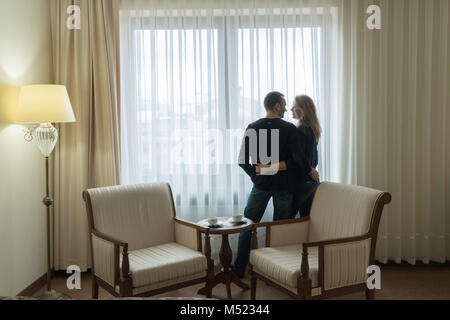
(309, 119)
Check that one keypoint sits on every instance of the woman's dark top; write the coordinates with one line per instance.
(308, 145)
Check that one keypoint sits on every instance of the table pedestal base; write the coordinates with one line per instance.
(226, 277)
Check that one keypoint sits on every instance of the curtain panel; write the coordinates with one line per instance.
(397, 109)
(87, 155)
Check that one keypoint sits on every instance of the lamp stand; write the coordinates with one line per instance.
(46, 136)
(48, 201)
(45, 104)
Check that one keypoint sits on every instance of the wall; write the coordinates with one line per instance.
(25, 58)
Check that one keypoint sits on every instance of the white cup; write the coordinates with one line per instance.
(212, 221)
(237, 218)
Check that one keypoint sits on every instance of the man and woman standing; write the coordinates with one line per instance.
(293, 179)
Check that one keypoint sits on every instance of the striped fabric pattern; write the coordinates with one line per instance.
(283, 264)
(103, 259)
(186, 236)
(346, 264)
(163, 284)
(340, 211)
(164, 262)
(288, 234)
(141, 215)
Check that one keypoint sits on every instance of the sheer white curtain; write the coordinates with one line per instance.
(396, 101)
(194, 75)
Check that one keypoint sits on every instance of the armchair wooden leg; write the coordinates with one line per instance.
(304, 283)
(126, 283)
(126, 288)
(94, 288)
(253, 288)
(370, 294)
(252, 283)
(304, 288)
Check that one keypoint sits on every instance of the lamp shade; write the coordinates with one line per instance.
(44, 104)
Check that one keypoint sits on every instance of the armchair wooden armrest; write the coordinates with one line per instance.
(190, 224)
(109, 238)
(279, 222)
(336, 241)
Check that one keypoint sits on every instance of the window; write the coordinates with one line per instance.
(281, 59)
(191, 85)
(177, 92)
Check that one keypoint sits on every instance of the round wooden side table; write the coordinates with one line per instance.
(226, 227)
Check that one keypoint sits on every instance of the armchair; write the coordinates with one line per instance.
(138, 245)
(327, 253)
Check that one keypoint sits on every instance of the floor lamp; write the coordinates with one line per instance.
(45, 104)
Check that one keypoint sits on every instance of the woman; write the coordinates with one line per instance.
(309, 130)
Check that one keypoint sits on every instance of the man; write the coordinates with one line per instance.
(278, 185)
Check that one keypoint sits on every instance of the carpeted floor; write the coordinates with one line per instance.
(397, 283)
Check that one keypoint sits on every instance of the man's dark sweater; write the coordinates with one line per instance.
(289, 148)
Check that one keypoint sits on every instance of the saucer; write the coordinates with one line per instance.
(237, 223)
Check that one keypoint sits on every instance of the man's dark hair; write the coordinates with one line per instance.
(272, 99)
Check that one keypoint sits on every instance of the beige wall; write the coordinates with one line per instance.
(25, 58)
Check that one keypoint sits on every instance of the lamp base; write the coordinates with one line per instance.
(45, 137)
(54, 295)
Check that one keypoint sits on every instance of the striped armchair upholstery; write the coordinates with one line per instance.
(327, 253)
(138, 246)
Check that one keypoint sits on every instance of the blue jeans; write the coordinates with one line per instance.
(303, 197)
(256, 206)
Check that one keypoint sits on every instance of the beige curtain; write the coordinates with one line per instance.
(85, 60)
(396, 107)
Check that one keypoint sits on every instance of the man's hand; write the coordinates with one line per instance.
(268, 169)
(314, 174)
(260, 166)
